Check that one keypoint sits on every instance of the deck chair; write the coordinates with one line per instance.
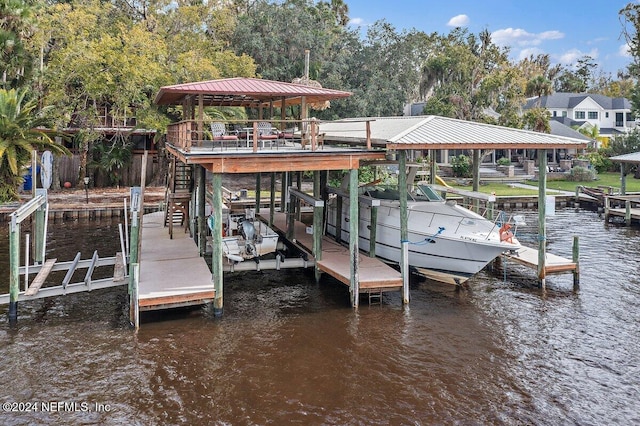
(219, 132)
(266, 132)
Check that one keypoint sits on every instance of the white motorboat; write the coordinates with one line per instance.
(245, 237)
(447, 242)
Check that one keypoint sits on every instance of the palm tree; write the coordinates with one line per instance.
(538, 86)
(19, 136)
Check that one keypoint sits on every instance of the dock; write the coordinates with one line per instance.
(374, 275)
(172, 273)
(553, 264)
(630, 212)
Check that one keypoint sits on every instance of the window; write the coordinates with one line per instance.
(630, 117)
(555, 113)
(579, 115)
(606, 115)
(564, 113)
(593, 115)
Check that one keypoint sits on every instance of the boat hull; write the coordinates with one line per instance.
(443, 238)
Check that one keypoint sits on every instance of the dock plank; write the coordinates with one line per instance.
(373, 273)
(172, 273)
(37, 282)
(553, 264)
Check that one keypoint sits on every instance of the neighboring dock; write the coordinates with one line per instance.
(374, 275)
(172, 273)
(630, 212)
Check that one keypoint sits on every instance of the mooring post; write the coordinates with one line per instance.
(272, 200)
(318, 214)
(134, 309)
(283, 191)
(14, 268)
(404, 221)
(133, 249)
(623, 179)
(216, 260)
(373, 232)
(353, 237)
(542, 227)
(258, 189)
(39, 235)
(202, 222)
(576, 260)
(627, 212)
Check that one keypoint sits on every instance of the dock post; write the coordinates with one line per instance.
(627, 212)
(272, 200)
(576, 260)
(542, 228)
(476, 178)
(373, 231)
(39, 235)
(338, 218)
(14, 268)
(258, 189)
(607, 204)
(318, 213)
(623, 180)
(134, 309)
(133, 250)
(283, 191)
(216, 260)
(404, 219)
(405, 272)
(202, 222)
(353, 236)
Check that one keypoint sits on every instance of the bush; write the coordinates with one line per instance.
(581, 174)
(461, 166)
(503, 161)
(600, 161)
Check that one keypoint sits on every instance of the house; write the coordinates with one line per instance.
(610, 116)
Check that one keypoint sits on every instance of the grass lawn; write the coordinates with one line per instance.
(605, 179)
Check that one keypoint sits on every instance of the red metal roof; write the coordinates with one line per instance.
(248, 92)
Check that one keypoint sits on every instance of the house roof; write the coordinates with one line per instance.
(563, 100)
(435, 132)
(246, 92)
(634, 157)
(560, 129)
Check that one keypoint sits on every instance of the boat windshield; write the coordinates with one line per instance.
(428, 192)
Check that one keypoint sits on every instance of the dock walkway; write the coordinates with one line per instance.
(553, 264)
(172, 273)
(374, 275)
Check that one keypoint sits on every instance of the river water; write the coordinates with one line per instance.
(290, 351)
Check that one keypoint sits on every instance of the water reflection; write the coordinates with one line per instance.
(290, 350)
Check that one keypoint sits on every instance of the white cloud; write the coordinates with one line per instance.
(625, 50)
(458, 21)
(520, 37)
(356, 21)
(571, 56)
(529, 51)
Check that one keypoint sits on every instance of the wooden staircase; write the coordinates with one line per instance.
(178, 195)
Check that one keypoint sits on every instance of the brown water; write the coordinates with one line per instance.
(290, 351)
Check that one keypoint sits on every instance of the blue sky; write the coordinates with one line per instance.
(565, 30)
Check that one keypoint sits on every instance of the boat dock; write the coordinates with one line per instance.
(172, 273)
(553, 264)
(630, 212)
(374, 275)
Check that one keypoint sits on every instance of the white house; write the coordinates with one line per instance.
(611, 116)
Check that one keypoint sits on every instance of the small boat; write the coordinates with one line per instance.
(245, 237)
(447, 242)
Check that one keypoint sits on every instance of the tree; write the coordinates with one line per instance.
(538, 86)
(537, 119)
(19, 136)
(16, 62)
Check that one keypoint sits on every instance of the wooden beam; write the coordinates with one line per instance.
(40, 278)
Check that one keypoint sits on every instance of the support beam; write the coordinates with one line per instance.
(353, 236)
(542, 212)
(14, 271)
(216, 261)
(272, 200)
(404, 221)
(258, 189)
(200, 202)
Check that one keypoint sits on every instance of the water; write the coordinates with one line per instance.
(290, 351)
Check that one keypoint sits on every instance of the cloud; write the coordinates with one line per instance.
(522, 38)
(530, 51)
(625, 50)
(458, 21)
(356, 21)
(572, 55)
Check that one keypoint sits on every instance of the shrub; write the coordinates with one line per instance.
(461, 166)
(503, 161)
(581, 174)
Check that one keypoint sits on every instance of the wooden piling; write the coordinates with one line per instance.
(353, 236)
(576, 260)
(216, 261)
(404, 220)
(542, 227)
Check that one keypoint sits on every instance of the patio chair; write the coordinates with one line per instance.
(219, 132)
(266, 132)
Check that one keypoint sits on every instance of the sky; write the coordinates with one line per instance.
(566, 31)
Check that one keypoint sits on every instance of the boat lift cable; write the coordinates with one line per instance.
(426, 240)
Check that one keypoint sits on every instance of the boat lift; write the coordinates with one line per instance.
(33, 289)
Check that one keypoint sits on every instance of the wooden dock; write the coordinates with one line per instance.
(374, 275)
(630, 212)
(553, 264)
(172, 273)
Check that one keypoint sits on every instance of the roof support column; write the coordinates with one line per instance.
(542, 207)
(216, 242)
(404, 228)
(353, 237)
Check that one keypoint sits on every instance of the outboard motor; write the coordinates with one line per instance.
(248, 231)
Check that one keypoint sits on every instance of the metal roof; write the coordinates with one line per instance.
(435, 132)
(634, 157)
(247, 92)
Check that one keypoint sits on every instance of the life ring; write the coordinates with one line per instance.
(506, 234)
